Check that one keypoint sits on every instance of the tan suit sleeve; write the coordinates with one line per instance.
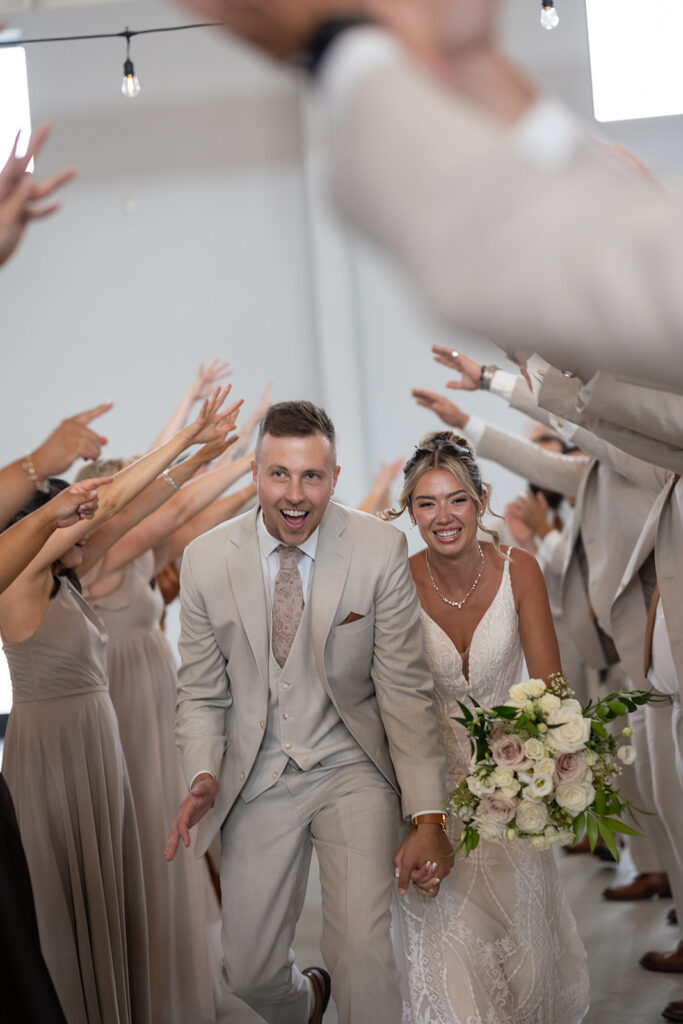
(203, 686)
(581, 263)
(555, 472)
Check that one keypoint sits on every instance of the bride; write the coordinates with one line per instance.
(500, 944)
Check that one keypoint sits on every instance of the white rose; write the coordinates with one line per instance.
(503, 776)
(571, 732)
(545, 767)
(574, 796)
(531, 816)
(571, 706)
(511, 790)
(542, 785)
(626, 754)
(535, 688)
(491, 830)
(525, 777)
(519, 693)
(535, 749)
(540, 843)
(591, 757)
(549, 702)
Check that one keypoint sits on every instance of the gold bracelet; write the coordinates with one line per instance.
(170, 481)
(40, 485)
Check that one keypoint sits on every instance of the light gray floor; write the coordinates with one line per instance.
(616, 935)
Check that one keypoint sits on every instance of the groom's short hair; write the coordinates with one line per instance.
(296, 419)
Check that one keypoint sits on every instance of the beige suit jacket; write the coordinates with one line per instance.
(580, 262)
(645, 422)
(373, 669)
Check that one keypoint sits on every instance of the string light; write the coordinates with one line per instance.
(130, 87)
(549, 16)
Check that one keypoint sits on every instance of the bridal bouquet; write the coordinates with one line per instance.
(544, 769)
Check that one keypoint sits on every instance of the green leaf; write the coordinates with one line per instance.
(600, 802)
(598, 728)
(592, 830)
(619, 826)
(578, 825)
(608, 836)
(507, 713)
(617, 707)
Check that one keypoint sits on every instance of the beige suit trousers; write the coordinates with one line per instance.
(351, 816)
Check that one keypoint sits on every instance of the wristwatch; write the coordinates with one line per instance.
(486, 376)
(430, 819)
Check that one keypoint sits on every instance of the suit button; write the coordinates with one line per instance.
(243, 776)
(286, 715)
(286, 686)
(274, 775)
(288, 746)
(262, 724)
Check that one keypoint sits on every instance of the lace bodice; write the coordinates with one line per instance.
(495, 664)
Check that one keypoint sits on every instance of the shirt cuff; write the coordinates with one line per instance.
(549, 133)
(356, 53)
(473, 430)
(204, 771)
(502, 383)
(548, 546)
(564, 428)
(432, 810)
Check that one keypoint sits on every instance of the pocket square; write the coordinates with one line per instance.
(351, 617)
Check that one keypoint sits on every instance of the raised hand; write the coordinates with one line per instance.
(20, 194)
(469, 370)
(77, 502)
(211, 423)
(193, 808)
(448, 412)
(71, 440)
(532, 509)
(207, 379)
(214, 449)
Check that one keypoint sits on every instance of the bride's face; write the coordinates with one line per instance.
(444, 513)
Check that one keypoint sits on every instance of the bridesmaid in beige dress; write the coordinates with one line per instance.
(64, 764)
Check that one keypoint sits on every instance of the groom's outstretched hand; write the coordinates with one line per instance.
(193, 808)
(424, 857)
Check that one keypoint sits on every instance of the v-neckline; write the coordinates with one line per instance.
(464, 655)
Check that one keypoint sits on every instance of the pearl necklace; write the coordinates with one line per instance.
(447, 600)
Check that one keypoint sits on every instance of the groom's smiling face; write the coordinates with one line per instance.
(295, 478)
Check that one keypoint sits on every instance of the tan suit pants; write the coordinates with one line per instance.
(351, 816)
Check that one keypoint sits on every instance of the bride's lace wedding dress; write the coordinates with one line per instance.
(499, 944)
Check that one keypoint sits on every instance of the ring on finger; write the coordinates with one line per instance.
(454, 354)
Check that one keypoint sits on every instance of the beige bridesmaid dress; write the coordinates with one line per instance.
(182, 911)
(65, 769)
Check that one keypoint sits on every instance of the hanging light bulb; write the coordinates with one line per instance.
(549, 16)
(130, 86)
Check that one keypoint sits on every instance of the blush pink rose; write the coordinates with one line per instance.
(497, 808)
(570, 767)
(507, 750)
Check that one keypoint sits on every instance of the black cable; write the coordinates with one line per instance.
(127, 34)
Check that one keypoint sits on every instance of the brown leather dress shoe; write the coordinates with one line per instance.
(643, 887)
(671, 963)
(320, 981)
(674, 1011)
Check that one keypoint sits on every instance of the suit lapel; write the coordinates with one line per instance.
(246, 578)
(332, 560)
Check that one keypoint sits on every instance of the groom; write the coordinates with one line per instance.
(304, 710)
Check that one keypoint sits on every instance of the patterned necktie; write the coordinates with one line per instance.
(288, 602)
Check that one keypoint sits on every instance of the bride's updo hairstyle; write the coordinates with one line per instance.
(445, 450)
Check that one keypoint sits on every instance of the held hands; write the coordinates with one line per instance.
(448, 412)
(72, 439)
(424, 858)
(211, 423)
(193, 808)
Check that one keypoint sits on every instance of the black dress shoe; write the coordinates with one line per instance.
(320, 982)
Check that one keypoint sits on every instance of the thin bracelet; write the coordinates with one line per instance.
(40, 485)
(169, 480)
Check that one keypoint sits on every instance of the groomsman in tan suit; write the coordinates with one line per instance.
(304, 710)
